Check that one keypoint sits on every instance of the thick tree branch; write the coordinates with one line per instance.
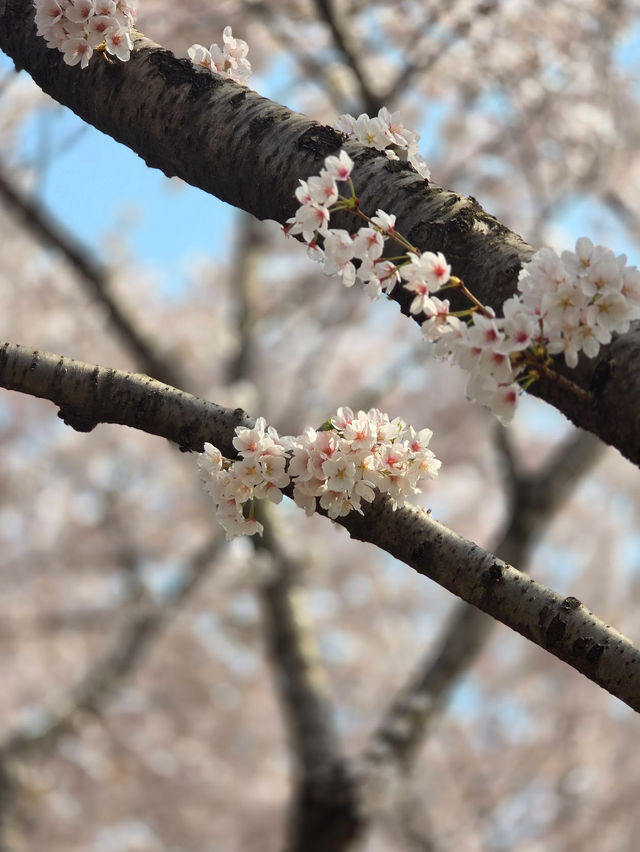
(88, 394)
(250, 152)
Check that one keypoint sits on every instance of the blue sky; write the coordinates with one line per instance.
(168, 218)
(94, 183)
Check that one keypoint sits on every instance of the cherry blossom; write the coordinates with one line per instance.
(565, 304)
(77, 27)
(230, 60)
(385, 222)
(383, 131)
(77, 51)
(368, 244)
(339, 167)
(424, 272)
(340, 465)
(309, 219)
(259, 473)
(80, 11)
(339, 249)
(118, 42)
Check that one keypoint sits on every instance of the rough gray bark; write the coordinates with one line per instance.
(88, 394)
(250, 152)
(562, 626)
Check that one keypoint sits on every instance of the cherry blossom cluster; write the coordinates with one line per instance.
(385, 132)
(78, 27)
(319, 197)
(259, 473)
(568, 303)
(340, 465)
(565, 304)
(581, 297)
(474, 341)
(343, 464)
(230, 60)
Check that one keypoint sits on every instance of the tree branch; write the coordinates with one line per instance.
(250, 152)
(536, 498)
(88, 394)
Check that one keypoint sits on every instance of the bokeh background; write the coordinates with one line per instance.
(140, 708)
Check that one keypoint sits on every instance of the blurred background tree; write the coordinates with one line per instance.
(163, 690)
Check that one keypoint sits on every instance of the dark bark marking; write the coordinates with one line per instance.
(95, 376)
(570, 603)
(422, 552)
(174, 70)
(543, 617)
(600, 377)
(492, 577)
(321, 139)
(260, 126)
(588, 651)
(556, 631)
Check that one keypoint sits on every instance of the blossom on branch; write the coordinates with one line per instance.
(385, 132)
(78, 27)
(230, 60)
(564, 305)
(580, 298)
(341, 466)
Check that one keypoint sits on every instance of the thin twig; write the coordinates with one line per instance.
(93, 275)
(342, 42)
